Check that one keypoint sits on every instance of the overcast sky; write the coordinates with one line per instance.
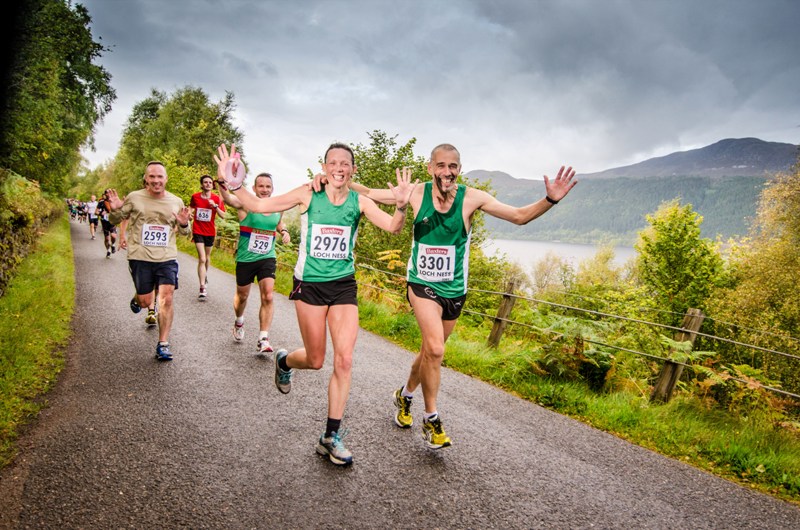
(520, 86)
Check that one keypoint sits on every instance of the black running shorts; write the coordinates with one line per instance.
(451, 307)
(147, 275)
(247, 271)
(343, 291)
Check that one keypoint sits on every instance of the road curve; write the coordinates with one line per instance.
(207, 441)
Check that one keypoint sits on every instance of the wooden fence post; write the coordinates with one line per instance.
(671, 372)
(506, 305)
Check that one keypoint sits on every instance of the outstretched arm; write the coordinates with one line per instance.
(401, 194)
(554, 191)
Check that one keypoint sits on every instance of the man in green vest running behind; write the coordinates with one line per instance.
(256, 259)
(438, 268)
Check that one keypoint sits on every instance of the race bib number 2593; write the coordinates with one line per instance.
(155, 235)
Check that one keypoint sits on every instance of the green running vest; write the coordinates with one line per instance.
(257, 236)
(440, 247)
(327, 235)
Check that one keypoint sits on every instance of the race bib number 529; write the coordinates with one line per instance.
(261, 242)
(155, 235)
(330, 241)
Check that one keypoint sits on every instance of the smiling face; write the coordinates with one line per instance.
(444, 167)
(338, 166)
(263, 186)
(155, 179)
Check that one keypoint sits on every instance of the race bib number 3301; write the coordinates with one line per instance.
(436, 263)
(155, 235)
(330, 241)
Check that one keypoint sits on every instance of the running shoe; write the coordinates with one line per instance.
(108, 254)
(334, 449)
(203, 294)
(403, 415)
(283, 378)
(135, 307)
(163, 353)
(264, 346)
(238, 331)
(151, 319)
(434, 434)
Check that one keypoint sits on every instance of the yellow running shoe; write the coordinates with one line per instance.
(434, 434)
(402, 417)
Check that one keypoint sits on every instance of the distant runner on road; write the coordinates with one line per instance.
(91, 211)
(109, 230)
(256, 259)
(154, 215)
(205, 205)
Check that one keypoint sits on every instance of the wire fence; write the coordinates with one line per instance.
(394, 293)
(607, 316)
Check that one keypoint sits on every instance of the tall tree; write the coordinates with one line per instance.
(762, 305)
(680, 268)
(184, 128)
(56, 93)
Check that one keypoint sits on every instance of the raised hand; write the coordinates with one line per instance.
(558, 188)
(222, 159)
(183, 216)
(114, 202)
(402, 192)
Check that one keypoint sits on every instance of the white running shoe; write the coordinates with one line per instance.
(203, 294)
(238, 332)
(264, 346)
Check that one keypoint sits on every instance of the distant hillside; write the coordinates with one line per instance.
(749, 157)
(611, 207)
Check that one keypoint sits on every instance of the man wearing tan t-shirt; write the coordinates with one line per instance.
(154, 216)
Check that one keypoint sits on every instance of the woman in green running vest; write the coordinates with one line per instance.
(324, 278)
(438, 267)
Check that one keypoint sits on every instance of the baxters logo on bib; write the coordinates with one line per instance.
(157, 228)
(331, 231)
(436, 251)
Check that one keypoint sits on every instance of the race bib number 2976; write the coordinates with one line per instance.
(330, 241)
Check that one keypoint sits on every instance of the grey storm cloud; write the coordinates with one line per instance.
(520, 86)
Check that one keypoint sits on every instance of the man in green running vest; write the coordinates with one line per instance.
(256, 259)
(438, 267)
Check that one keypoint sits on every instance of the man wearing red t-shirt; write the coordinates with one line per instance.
(205, 206)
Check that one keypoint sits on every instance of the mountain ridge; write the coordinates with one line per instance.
(731, 157)
(612, 205)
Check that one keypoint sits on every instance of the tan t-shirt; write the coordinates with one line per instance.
(152, 225)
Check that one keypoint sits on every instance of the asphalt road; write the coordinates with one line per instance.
(207, 441)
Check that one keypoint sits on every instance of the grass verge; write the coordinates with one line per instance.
(32, 349)
(750, 451)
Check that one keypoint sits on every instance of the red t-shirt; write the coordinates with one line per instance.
(205, 214)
